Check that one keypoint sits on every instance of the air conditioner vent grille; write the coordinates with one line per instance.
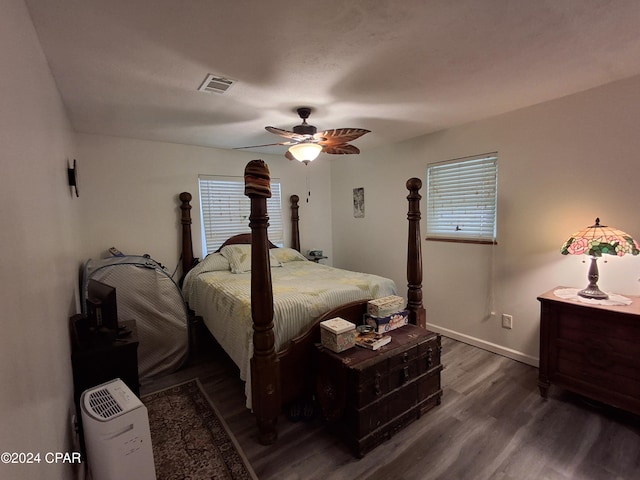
(215, 84)
(103, 403)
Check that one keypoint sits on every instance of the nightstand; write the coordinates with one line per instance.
(367, 396)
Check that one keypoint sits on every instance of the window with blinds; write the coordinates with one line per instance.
(462, 198)
(224, 211)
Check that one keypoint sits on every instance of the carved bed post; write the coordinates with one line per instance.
(265, 373)
(417, 313)
(187, 246)
(295, 218)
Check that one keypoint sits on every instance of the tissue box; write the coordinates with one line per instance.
(388, 323)
(337, 334)
(385, 306)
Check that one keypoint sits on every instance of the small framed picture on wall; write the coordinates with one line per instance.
(358, 202)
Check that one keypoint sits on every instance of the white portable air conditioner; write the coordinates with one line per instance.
(116, 433)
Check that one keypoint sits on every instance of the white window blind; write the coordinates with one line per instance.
(225, 210)
(462, 199)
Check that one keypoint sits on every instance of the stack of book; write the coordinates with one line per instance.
(387, 313)
(372, 340)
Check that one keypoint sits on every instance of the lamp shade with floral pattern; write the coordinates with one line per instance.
(596, 241)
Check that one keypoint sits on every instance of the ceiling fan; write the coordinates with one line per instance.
(306, 142)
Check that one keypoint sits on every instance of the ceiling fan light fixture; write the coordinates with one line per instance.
(305, 152)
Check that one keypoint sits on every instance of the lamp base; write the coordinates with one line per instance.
(592, 291)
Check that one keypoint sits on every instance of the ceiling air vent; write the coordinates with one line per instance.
(215, 84)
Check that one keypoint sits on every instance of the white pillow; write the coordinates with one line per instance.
(239, 257)
(284, 255)
(214, 262)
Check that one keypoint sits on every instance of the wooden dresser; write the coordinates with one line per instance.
(370, 395)
(592, 350)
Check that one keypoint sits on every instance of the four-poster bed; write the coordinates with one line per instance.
(279, 370)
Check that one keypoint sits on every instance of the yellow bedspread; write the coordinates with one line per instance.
(302, 290)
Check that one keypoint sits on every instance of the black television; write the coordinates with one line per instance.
(102, 307)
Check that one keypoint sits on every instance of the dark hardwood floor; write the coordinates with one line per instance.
(492, 424)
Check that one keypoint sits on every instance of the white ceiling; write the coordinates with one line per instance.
(400, 68)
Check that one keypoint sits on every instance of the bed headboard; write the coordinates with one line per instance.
(241, 238)
(189, 261)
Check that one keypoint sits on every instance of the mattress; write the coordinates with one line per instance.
(302, 291)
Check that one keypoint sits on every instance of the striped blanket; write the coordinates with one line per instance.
(302, 292)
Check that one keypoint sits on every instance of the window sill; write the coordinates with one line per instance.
(462, 240)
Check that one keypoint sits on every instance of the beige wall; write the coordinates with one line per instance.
(561, 164)
(130, 194)
(39, 266)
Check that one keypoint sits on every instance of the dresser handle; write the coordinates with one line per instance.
(405, 357)
(376, 384)
(406, 374)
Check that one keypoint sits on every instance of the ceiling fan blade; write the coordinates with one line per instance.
(340, 149)
(287, 134)
(333, 141)
(340, 135)
(265, 145)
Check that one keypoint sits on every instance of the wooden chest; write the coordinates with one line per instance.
(370, 395)
(591, 350)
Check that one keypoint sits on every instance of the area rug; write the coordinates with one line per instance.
(190, 439)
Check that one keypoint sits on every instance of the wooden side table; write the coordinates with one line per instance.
(370, 395)
(591, 350)
(96, 362)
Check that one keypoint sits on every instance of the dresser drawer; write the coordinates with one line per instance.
(607, 372)
(621, 336)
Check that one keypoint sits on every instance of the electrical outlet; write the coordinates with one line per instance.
(507, 321)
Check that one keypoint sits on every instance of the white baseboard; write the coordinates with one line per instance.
(492, 347)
